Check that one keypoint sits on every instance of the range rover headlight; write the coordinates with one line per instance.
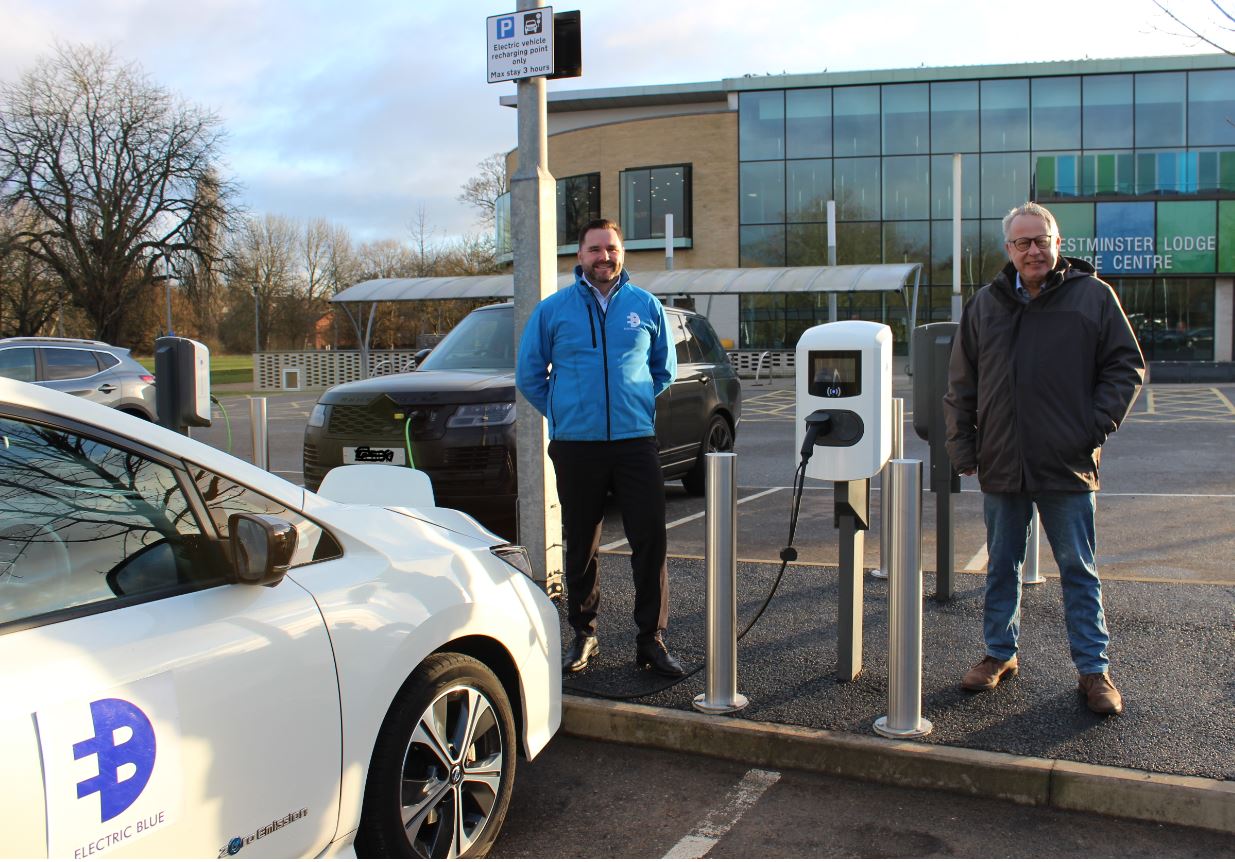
(317, 418)
(483, 415)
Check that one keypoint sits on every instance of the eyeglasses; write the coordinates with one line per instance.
(1022, 244)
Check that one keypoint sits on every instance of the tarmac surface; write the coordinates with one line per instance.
(1173, 658)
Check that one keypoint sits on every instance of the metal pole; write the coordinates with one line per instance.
(669, 242)
(885, 521)
(167, 284)
(904, 718)
(832, 256)
(257, 336)
(721, 556)
(1029, 571)
(533, 196)
(261, 439)
(956, 237)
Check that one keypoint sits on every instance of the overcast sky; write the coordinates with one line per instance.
(364, 111)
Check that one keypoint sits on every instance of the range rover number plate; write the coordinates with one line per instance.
(374, 455)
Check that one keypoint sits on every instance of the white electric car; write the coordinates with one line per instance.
(200, 659)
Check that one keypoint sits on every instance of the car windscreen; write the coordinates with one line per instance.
(485, 339)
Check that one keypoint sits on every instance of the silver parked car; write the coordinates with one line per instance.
(102, 373)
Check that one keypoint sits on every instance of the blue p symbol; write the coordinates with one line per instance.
(138, 751)
(506, 27)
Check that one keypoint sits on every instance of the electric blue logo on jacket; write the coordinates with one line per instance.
(113, 719)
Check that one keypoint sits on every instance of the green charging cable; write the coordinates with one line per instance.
(226, 419)
(407, 439)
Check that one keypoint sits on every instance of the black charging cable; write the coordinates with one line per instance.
(819, 422)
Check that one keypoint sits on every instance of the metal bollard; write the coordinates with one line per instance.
(898, 451)
(721, 559)
(261, 439)
(1029, 571)
(904, 718)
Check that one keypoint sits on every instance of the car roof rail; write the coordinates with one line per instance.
(54, 339)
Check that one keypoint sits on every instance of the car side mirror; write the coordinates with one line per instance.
(262, 548)
(420, 355)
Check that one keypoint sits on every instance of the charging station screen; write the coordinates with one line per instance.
(835, 373)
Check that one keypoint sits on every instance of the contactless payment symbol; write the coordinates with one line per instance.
(124, 744)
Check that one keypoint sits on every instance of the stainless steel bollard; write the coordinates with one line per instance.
(904, 718)
(261, 439)
(721, 559)
(1029, 571)
(898, 451)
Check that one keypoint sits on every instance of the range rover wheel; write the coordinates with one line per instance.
(443, 768)
(718, 438)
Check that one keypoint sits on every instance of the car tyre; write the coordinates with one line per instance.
(443, 768)
(718, 438)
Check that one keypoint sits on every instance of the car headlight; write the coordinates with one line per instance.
(480, 415)
(317, 418)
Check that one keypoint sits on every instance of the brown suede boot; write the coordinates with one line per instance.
(1101, 696)
(988, 673)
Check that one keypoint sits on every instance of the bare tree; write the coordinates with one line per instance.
(30, 296)
(1198, 32)
(112, 164)
(262, 271)
(483, 190)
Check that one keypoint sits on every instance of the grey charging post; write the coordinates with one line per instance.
(844, 394)
(932, 351)
(181, 383)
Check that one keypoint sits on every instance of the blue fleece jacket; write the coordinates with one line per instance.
(595, 374)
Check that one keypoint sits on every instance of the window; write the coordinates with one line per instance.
(649, 194)
(1161, 103)
(66, 363)
(1005, 114)
(709, 345)
(1108, 111)
(954, 117)
(808, 123)
(106, 360)
(224, 498)
(762, 192)
(84, 523)
(1056, 113)
(855, 121)
(808, 188)
(578, 202)
(906, 118)
(1211, 104)
(761, 125)
(17, 363)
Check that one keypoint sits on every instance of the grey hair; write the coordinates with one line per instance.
(1030, 208)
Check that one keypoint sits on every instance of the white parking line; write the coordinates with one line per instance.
(695, 517)
(978, 563)
(720, 820)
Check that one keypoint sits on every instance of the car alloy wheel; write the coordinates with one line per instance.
(443, 770)
(719, 438)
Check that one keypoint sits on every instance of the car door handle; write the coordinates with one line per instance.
(705, 380)
(107, 389)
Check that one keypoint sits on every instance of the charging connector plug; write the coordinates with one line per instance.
(819, 422)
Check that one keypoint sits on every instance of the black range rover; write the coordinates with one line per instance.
(453, 417)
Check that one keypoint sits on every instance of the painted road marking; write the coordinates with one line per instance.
(717, 822)
(695, 517)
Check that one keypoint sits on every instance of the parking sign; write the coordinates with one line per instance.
(520, 44)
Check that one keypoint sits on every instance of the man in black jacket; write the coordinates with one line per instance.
(1044, 368)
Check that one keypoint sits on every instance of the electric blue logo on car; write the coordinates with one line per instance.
(506, 27)
(112, 718)
(233, 846)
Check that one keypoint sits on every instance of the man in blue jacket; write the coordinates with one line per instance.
(592, 358)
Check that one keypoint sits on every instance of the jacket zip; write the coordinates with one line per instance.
(604, 355)
(591, 324)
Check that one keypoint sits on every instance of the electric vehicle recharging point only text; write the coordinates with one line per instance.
(844, 428)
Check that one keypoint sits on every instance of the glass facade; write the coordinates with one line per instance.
(1139, 168)
(649, 194)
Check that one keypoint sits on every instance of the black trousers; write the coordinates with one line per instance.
(586, 472)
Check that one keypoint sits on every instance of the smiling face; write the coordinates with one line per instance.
(600, 255)
(1034, 263)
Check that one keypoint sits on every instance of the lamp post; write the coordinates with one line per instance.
(167, 284)
(257, 340)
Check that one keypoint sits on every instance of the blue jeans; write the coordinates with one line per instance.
(1068, 522)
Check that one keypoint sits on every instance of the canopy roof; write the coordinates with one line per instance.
(693, 282)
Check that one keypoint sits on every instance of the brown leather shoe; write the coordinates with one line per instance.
(1101, 696)
(988, 673)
